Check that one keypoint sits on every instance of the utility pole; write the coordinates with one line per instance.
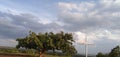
(86, 46)
(86, 51)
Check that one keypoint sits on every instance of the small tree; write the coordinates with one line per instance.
(48, 41)
(115, 52)
(100, 55)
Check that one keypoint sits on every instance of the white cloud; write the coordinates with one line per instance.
(110, 2)
(45, 21)
(67, 6)
(93, 15)
(100, 21)
(108, 34)
(83, 6)
(102, 40)
(8, 10)
(13, 40)
(79, 37)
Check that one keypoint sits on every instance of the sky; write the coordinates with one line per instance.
(98, 20)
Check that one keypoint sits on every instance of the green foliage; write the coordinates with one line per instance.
(13, 50)
(48, 41)
(100, 55)
(115, 52)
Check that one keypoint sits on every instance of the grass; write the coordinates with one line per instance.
(45, 55)
(32, 53)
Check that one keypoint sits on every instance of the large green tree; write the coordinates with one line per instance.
(48, 41)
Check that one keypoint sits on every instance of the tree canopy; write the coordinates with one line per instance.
(48, 41)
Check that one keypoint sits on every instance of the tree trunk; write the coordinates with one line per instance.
(41, 54)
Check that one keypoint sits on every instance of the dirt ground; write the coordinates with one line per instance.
(13, 55)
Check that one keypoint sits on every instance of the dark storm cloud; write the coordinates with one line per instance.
(14, 26)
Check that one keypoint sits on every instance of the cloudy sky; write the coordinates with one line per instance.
(99, 20)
